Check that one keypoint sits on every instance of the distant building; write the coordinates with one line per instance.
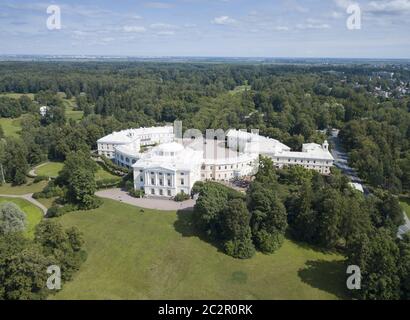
(43, 111)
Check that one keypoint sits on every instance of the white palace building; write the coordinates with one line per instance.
(165, 165)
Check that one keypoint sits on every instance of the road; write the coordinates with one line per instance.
(341, 162)
(147, 203)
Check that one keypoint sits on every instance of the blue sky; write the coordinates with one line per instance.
(240, 28)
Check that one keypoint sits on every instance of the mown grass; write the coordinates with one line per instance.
(49, 169)
(11, 127)
(29, 187)
(33, 213)
(102, 174)
(149, 254)
(17, 95)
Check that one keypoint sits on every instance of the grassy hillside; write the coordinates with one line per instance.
(148, 254)
(33, 214)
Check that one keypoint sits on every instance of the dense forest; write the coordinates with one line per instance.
(287, 102)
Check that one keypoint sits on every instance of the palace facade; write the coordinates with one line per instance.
(165, 166)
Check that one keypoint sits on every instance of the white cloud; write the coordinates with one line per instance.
(344, 4)
(162, 26)
(165, 33)
(389, 7)
(281, 28)
(136, 29)
(311, 25)
(158, 5)
(223, 20)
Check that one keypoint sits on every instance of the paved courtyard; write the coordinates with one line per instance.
(147, 203)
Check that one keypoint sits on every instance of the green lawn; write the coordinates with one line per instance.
(103, 174)
(48, 203)
(11, 127)
(17, 95)
(153, 255)
(405, 204)
(30, 187)
(49, 169)
(33, 214)
(70, 111)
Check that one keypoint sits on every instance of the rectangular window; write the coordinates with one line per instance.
(152, 181)
(169, 192)
(182, 182)
(152, 191)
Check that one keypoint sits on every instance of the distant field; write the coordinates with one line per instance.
(33, 214)
(49, 169)
(17, 95)
(70, 113)
(134, 254)
(405, 204)
(11, 127)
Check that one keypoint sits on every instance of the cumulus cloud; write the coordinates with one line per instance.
(135, 29)
(158, 5)
(223, 20)
(389, 7)
(163, 26)
(165, 33)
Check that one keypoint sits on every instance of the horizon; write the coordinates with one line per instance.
(283, 29)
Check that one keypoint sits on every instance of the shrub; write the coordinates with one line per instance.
(240, 248)
(136, 193)
(181, 197)
(38, 179)
(51, 190)
(112, 167)
(12, 219)
(58, 211)
(108, 183)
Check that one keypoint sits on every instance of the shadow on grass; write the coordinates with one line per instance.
(329, 276)
(186, 227)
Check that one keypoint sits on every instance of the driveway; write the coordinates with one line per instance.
(341, 161)
(147, 203)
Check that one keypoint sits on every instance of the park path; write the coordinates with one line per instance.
(33, 173)
(147, 203)
(29, 198)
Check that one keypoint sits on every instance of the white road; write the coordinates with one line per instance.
(147, 203)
